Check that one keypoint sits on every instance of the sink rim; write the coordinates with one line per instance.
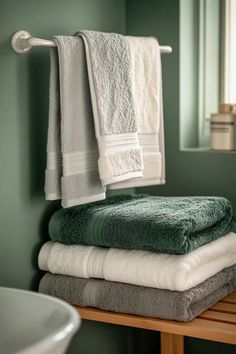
(57, 335)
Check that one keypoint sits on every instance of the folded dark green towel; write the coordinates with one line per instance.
(139, 300)
(158, 224)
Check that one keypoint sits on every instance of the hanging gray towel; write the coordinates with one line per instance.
(72, 170)
(53, 171)
(108, 63)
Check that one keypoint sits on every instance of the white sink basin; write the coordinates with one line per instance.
(32, 323)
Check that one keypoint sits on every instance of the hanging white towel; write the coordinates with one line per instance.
(108, 61)
(146, 76)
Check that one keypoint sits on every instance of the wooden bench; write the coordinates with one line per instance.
(217, 324)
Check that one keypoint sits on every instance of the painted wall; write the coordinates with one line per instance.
(23, 123)
(24, 214)
(188, 172)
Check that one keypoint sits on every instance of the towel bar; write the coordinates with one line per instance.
(22, 42)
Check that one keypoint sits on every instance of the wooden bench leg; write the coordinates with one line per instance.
(172, 343)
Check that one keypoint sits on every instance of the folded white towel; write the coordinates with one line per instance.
(163, 271)
(147, 85)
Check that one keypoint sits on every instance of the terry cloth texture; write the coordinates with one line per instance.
(72, 137)
(147, 83)
(111, 90)
(137, 300)
(144, 268)
(158, 224)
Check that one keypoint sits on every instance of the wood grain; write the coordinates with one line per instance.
(172, 343)
(217, 324)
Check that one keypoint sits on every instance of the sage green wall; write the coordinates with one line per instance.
(23, 122)
(188, 172)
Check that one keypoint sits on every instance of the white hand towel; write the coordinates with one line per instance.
(108, 62)
(163, 271)
(147, 85)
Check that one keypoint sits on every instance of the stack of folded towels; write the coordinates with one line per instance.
(163, 257)
(169, 258)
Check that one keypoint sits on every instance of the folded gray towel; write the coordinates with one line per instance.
(138, 300)
(109, 74)
(72, 134)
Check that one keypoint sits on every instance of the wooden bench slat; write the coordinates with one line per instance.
(212, 330)
(198, 328)
(217, 323)
(219, 316)
(224, 307)
(231, 298)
